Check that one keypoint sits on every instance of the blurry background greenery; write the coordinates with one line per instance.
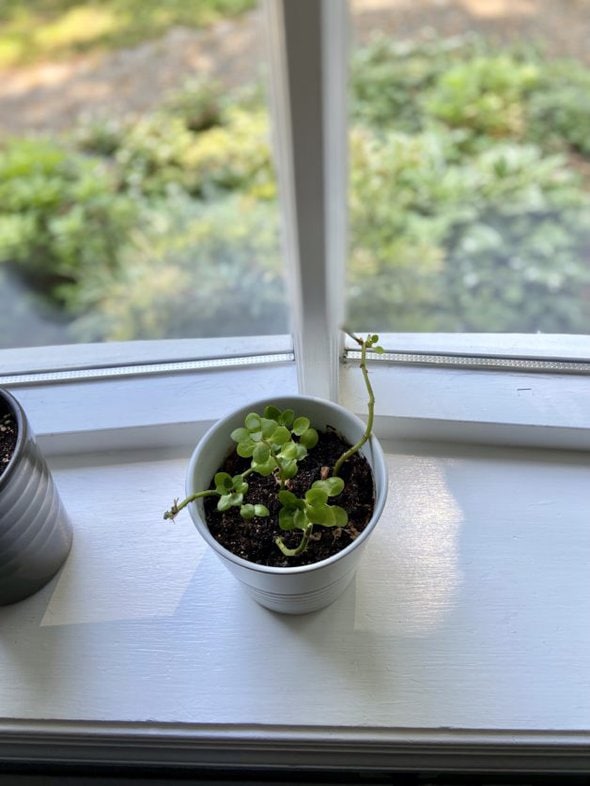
(31, 30)
(469, 198)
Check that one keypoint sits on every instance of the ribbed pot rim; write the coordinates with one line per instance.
(225, 554)
(21, 426)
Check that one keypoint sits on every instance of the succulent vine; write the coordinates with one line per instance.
(275, 442)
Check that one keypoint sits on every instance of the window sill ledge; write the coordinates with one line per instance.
(459, 643)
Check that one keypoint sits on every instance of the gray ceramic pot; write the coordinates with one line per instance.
(35, 531)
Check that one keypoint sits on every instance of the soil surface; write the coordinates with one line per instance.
(254, 540)
(55, 96)
(8, 435)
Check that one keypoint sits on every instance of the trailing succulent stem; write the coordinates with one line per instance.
(314, 508)
(275, 442)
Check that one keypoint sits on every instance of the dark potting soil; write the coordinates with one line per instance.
(8, 434)
(254, 540)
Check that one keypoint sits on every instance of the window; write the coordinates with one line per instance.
(130, 407)
(469, 198)
(137, 186)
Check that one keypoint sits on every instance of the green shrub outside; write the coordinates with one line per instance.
(198, 269)
(465, 214)
(462, 215)
(62, 217)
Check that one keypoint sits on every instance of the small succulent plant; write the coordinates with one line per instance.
(275, 442)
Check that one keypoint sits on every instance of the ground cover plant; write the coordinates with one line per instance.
(469, 203)
(53, 29)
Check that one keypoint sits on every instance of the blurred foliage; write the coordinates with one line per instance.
(485, 95)
(559, 110)
(466, 213)
(197, 269)
(465, 210)
(160, 151)
(62, 217)
(52, 29)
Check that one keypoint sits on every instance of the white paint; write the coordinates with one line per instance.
(99, 582)
(471, 612)
(422, 572)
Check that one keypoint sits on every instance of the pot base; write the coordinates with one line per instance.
(305, 602)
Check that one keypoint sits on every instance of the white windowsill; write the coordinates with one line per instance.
(136, 409)
(478, 577)
(461, 642)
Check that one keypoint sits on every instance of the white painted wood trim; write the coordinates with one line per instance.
(308, 56)
(116, 354)
(481, 407)
(320, 748)
(536, 346)
(486, 407)
(461, 643)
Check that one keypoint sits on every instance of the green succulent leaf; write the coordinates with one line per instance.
(300, 426)
(301, 519)
(286, 519)
(321, 514)
(332, 486)
(288, 499)
(290, 452)
(265, 468)
(227, 501)
(272, 413)
(301, 451)
(281, 436)
(240, 434)
(309, 439)
(240, 484)
(340, 515)
(261, 453)
(245, 449)
(316, 496)
(223, 482)
(253, 422)
(268, 428)
(288, 469)
(286, 418)
(261, 510)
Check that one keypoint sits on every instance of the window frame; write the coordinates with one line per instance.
(95, 395)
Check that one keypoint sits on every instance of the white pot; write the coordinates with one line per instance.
(306, 588)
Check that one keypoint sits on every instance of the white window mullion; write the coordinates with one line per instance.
(308, 55)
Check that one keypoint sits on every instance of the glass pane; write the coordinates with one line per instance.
(137, 191)
(470, 166)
